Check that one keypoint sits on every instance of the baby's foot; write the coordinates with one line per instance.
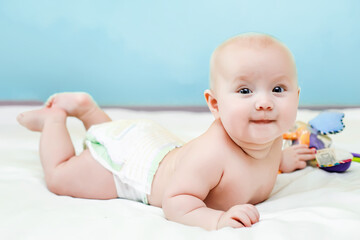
(34, 120)
(76, 104)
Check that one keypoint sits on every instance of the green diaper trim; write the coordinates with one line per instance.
(159, 157)
(145, 199)
(102, 154)
(91, 138)
(155, 165)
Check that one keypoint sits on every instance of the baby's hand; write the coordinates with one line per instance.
(295, 157)
(239, 216)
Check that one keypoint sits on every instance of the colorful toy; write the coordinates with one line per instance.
(315, 135)
(356, 157)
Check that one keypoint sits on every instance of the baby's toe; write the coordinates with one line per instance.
(20, 117)
(50, 100)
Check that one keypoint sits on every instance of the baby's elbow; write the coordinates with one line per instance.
(177, 207)
(169, 208)
(173, 208)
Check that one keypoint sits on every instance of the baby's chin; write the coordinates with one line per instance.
(255, 142)
(256, 138)
(262, 140)
(263, 137)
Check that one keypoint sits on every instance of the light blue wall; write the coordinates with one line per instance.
(157, 52)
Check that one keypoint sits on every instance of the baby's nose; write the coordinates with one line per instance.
(264, 104)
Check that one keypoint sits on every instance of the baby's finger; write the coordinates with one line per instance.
(254, 218)
(301, 146)
(253, 213)
(307, 157)
(257, 213)
(243, 218)
(235, 224)
(304, 150)
(300, 164)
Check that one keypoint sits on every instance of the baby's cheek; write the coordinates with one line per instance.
(289, 118)
(287, 111)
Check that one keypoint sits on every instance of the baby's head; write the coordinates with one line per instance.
(253, 87)
(231, 49)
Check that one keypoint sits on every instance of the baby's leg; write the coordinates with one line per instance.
(80, 105)
(65, 173)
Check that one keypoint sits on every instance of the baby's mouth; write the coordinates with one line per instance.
(262, 121)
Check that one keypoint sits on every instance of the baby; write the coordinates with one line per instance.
(213, 181)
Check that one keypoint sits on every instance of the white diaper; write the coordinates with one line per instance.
(132, 150)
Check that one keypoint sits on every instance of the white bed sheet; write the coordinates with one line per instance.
(306, 204)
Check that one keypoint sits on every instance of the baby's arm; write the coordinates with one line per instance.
(184, 199)
(295, 157)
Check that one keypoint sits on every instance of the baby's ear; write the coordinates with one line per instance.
(211, 102)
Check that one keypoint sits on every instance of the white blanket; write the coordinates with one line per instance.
(306, 204)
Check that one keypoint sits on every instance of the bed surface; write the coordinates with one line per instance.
(306, 204)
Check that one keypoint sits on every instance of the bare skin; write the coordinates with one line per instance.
(82, 176)
(213, 181)
(78, 176)
(65, 173)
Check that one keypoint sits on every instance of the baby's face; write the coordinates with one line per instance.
(257, 93)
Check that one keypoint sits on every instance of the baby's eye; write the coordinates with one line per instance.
(245, 91)
(278, 89)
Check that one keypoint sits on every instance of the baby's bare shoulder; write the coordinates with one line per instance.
(203, 153)
(198, 170)
(213, 147)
